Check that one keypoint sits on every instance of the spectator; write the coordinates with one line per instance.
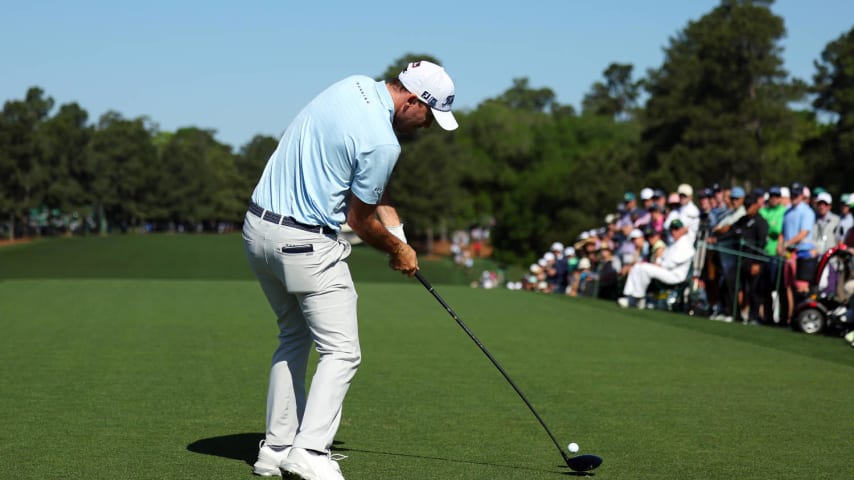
(582, 278)
(629, 206)
(673, 204)
(608, 274)
(646, 195)
(631, 252)
(798, 248)
(688, 211)
(708, 218)
(751, 233)
(656, 218)
(786, 197)
(760, 196)
(560, 268)
(826, 224)
(773, 213)
(655, 244)
(719, 202)
(672, 268)
(736, 211)
(659, 197)
(846, 219)
(571, 265)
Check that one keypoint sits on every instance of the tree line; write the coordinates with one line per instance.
(720, 109)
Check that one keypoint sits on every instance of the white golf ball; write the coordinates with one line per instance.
(572, 447)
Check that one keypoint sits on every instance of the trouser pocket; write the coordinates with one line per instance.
(301, 266)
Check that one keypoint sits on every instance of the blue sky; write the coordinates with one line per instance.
(247, 67)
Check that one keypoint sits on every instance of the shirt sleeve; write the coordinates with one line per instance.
(372, 172)
(807, 221)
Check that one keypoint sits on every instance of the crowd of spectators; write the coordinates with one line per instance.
(751, 254)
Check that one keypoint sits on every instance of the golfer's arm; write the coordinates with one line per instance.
(386, 212)
(362, 218)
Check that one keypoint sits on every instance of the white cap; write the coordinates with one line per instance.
(584, 235)
(636, 233)
(534, 268)
(584, 263)
(542, 262)
(824, 197)
(434, 87)
(569, 252)
(685, 189)
(557, 246)
(785, 193)
(646, 193)
(549, 257)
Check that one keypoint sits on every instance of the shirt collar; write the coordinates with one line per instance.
(385, 98)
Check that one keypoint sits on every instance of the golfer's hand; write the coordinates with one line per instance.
(404, 260)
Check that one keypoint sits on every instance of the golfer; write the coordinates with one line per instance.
(331, 166)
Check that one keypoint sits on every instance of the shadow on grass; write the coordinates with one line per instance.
(239, 446)
(453, 460)
(244, 447)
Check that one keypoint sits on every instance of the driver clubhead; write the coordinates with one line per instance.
(584, 463)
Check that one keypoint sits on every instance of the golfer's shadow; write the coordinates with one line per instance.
(244, 447)
(238, 446)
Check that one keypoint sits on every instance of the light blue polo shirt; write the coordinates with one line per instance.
(341, 142)
(797, 218)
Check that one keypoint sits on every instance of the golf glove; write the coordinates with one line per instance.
(397, 231)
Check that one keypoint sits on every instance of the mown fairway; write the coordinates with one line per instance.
(146, 357)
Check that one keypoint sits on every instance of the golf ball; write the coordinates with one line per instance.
(572, 447)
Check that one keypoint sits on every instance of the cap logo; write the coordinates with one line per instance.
(429, 99)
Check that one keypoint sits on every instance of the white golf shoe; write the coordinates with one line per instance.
(312, 466)
(270, 461)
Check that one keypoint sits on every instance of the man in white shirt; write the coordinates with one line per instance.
(672, 267)
(688, 211)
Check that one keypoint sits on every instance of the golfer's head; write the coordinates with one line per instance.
(432, 86)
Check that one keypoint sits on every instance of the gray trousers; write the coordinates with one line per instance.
(309, 287)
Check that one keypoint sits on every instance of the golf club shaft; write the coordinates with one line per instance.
(471, 335)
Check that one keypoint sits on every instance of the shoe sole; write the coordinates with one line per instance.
(294, 470)
(267, 471)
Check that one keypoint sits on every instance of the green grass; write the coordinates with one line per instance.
(166, 256)
(151, 371)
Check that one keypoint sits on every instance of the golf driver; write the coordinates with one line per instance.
(579, 463)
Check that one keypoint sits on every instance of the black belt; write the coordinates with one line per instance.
(271, 217)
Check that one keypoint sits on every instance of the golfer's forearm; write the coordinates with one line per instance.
(372, 232)
(388, 215)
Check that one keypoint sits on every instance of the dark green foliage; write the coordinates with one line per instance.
(720, 100)
(617, 97)
(834, 90)
(397, 66)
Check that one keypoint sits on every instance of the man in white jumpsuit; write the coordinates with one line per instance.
(671, 268)
(332, 165)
